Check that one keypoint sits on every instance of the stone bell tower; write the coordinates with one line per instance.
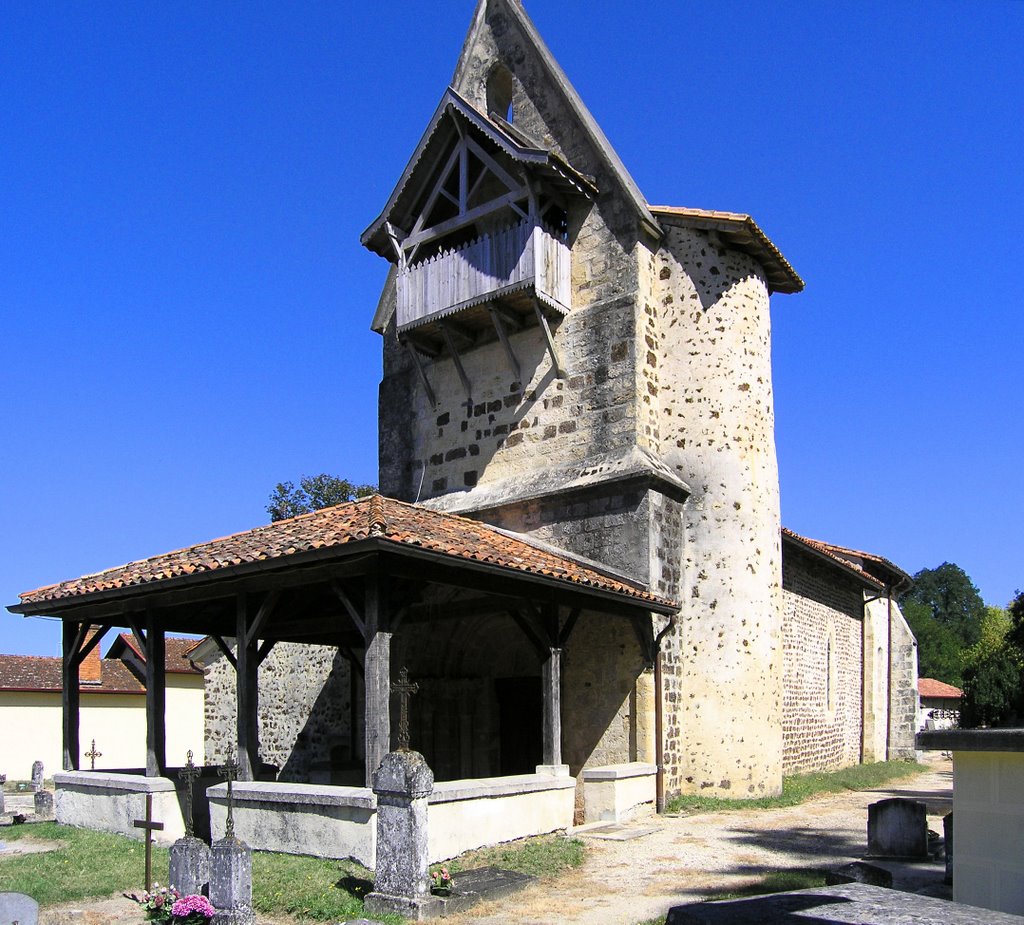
(564, 360)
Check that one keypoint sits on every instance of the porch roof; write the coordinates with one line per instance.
(371, 524)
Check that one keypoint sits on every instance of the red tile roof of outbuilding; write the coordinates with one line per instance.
(929, 687)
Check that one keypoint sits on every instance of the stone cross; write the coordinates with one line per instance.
(189, 774)
(150, 826)
(405, 689)
(92, 755)
(230, 773)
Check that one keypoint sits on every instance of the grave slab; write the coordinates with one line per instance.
(481, 884)
(851, 904)
(18, 909)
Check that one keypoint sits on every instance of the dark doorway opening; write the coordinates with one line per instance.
(520, 717)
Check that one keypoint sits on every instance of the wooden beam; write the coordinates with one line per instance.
(556, 361)
(468, 218)
(570, 623)
(346, 601)
(156, 697)
(551, 683)
(228, 654)
(499, 326)
(264, 650)
(376, 678)
(529, 631)
(70, 697)
(262, 615)
(418, 364)
(448, 339)
(91, 644)
(247, 695)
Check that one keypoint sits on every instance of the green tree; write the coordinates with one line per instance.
(993, 673)
(313, 493)
(945, 611)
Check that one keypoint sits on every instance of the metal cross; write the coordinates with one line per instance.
(405, 689)
(230, 773)
(150, 826)
(92, 755)
(190, 773)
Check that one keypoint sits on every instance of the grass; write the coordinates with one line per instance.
(541, 857)
(94, 865)
(800, 787)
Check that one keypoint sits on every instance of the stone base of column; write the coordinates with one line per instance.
(190, 866)
(231, 882)
(426, 907)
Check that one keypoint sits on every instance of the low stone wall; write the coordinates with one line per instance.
(619, 791)
(312, 819)
(108, 802)
(467, 814)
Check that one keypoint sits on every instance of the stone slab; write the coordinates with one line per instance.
(480, 884)
(614, 831)
(620, 771)
(18, 908)
(972, 740)
(487, 787)
(852, 904)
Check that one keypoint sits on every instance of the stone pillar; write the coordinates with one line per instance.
(37, 776)
(190, 866)
(3, 780)
(402, 884)
(231, 882)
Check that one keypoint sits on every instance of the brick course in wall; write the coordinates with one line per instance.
(822, 665)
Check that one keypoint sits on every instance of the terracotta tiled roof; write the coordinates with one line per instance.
(176, 649)
(387, 520)
(831, 552)
(929, 687)
(740, 231)
(43, 673)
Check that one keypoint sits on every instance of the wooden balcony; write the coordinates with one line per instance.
(513, 268)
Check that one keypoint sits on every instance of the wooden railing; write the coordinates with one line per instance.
(519, 257)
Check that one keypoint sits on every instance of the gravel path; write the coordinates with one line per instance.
(687, 858)
(684, 859)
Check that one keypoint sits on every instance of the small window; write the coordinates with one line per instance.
(501, 86)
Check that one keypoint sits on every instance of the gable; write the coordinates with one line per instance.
(549, 108)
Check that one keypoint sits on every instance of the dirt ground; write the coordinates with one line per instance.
(684, 859)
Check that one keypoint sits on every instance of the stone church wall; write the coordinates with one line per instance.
(710, 392)
(903, 691)
(305, 713)
(823, 666)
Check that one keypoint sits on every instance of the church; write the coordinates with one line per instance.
(576, 554)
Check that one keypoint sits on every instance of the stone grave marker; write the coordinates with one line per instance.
(897, 828)
(402, 783)
(3, 780)
(190, 857)
(43, 804)
(947, 831)
(231, 867)
(18, 909)
(37, 775)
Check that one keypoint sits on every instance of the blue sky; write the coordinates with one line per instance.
(185, 304)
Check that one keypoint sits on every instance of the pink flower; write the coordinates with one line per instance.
(189, 905)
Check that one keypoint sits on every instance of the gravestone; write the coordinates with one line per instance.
(44, 804)
(3, 780)
(37, 775)
(897, 828)
(859, 872)
(947, 831)
(18, 909)
(402, 783)
(231, 867)
(190, 857)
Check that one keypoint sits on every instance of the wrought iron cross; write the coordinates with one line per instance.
(150, 826)
(189, 774)
(405, 689)
(92, 755)
(230, 773)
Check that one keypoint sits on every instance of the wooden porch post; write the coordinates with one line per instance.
(156, 698)
(71, 697)
(376, 678)
(551, 683)
(247, 694)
